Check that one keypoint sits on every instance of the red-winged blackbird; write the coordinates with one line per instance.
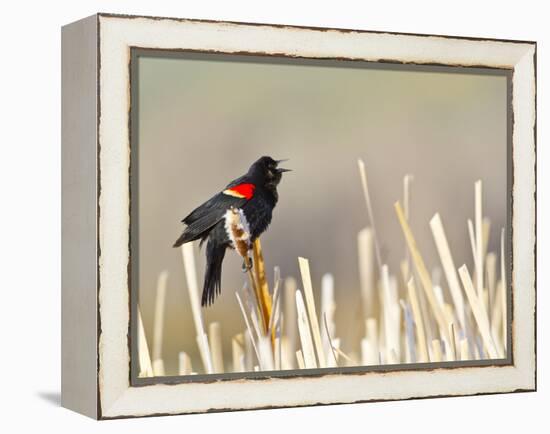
(255, 194)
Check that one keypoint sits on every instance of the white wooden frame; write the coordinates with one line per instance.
(96, 157)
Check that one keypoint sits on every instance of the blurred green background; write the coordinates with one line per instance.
(202, 121)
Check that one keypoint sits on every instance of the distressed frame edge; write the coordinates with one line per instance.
(80, 181)
(528, 385)
(307, 27)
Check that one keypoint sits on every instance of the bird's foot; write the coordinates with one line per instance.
(246, 267)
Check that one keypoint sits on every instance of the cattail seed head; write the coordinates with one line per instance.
(238, 230)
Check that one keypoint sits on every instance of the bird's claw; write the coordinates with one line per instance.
(246, 267)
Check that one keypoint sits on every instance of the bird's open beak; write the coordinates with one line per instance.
(280, 169)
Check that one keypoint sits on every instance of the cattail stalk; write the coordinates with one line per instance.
(145, 365)
(417, 316)
(237, 353)
(334, 361)
(410, 343)
(503, 289)
(308, 350)
(464, 349)
(159, 316)
(364, 184)
(158, 368)
(371, 326)
(480, 314)
(193, 288)
(448, 266)
(264, 299)
(437, 355)
(391, 317)
(328, 308)
(184, 364)
(215, 340)
(310, 302)
(365, 248)
(491, 274)
(290, 326)
(248, 327)
(300, 360)
(479, 238)
(421, 270)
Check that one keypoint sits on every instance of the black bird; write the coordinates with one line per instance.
(255, 194)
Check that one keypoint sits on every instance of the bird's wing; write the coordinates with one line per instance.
(203, 218)
(211, 211)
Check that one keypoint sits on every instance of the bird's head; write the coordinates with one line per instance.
(267, 171)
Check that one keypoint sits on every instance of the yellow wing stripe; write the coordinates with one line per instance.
(234, 193)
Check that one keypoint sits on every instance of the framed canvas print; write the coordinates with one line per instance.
(262, 216)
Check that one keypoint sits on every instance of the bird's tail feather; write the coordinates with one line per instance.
(183, 238)
(187, 236)
(213, 274)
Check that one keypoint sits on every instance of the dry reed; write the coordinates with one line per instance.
(401, 324)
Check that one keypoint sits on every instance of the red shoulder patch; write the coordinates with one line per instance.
(243, 191)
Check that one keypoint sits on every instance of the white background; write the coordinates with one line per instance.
(30, 217)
